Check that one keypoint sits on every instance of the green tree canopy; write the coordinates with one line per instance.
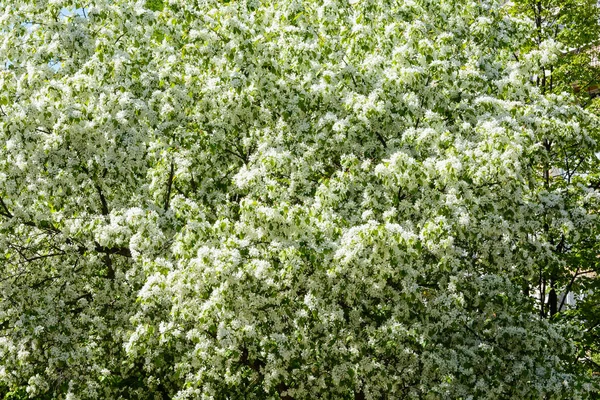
(569, 172)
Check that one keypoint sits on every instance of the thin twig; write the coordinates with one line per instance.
(169, 186)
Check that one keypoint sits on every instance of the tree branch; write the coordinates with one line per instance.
(102, 199)
(121, 251)
(47, 226)
(6, 212)
(381, 139)
(237, 155)
(169, 186)
(40, 257)
(568, 289)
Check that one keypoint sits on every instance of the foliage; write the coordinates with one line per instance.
(573, 26)
(282, 199)
(569, 172)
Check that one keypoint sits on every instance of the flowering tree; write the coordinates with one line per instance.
(278, 199)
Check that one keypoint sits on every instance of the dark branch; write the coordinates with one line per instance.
(381, 139)
(121, 251)
(193, 183)
(110, 274)
(241, 157)
(49, 227)
(43, 256)
(169, 186)
(6, 212)
(360, 395)
(119, 38)
(102, 200)
(568, 288)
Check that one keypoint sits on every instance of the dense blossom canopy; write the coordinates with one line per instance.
(278, 199)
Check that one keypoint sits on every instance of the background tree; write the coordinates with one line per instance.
(573, 26)
(279, 200)
(569, 173)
